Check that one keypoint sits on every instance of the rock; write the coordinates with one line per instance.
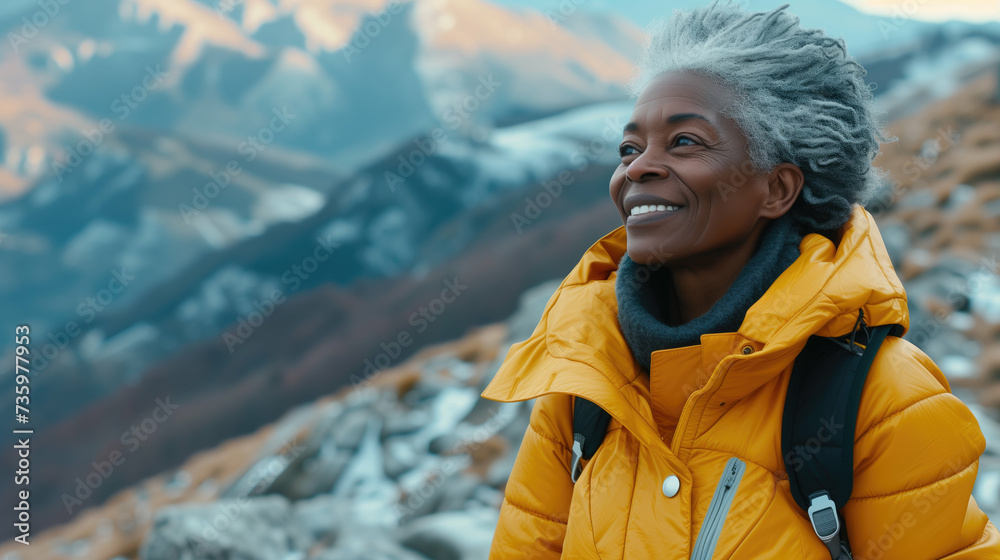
(424, 488)
(400, 423)
(399, 456)
(484, 410)
(897, 241)
(348, 431)
(74, 549)
(457, 492)
(366, 463)
(250, 529)
(318, 474)
(177, 483)
(500, 470)
(957, 367)
(985, 294)
(464, 535)
(323, 516)
(265, 477)
(987, 490)
(425, 390)
(488, 497)
(959, 196)
(445, 444)
(365, 545)
(918, 199)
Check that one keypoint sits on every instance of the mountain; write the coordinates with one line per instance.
(865, 34)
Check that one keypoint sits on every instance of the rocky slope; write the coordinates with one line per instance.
(407, 464)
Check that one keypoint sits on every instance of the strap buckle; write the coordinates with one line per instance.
(826, 523)
(575, 469)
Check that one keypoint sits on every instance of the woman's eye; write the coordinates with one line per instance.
(685, 141)
(624, 150)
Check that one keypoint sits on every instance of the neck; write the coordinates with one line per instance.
(697, 288)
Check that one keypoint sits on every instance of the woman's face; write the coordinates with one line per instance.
(689, 163)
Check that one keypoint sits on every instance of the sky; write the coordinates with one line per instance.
(932, 10)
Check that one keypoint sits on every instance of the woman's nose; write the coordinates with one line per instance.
(644, 168)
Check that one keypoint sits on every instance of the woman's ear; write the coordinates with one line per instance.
(784, 186)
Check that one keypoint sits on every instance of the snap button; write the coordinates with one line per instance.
(747, 350)
(671, 485)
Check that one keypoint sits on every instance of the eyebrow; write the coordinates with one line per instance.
(672, 119)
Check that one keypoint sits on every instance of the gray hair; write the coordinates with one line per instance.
(801, 98)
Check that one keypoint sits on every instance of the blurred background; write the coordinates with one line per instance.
(271, 251)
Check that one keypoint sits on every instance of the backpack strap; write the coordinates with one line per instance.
(818, 426)
(590, 423)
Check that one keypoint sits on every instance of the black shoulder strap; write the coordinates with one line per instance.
(590, 423)
(818, 424)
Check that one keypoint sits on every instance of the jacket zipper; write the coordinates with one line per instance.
(711, 528)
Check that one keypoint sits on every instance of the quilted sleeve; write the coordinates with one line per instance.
(917, 450)
(536, 502)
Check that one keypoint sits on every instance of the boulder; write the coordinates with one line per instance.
(261, 528)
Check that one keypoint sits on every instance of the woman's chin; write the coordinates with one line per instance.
(649, 254)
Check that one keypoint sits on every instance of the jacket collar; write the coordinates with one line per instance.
(578, 347)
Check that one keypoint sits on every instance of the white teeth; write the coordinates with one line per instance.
(639, 210)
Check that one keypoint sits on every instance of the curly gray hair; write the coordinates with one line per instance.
(801, 98)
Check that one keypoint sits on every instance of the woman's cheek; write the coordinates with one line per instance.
(617, 182)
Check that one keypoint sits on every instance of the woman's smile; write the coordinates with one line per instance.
(644, 208)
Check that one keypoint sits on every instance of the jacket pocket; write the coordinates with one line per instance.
(718, 509)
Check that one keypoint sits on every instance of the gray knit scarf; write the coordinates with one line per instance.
(643, 294)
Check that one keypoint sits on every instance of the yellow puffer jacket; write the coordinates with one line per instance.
(917, 446)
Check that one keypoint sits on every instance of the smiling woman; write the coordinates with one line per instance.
(681, 404)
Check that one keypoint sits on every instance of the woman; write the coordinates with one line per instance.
(747, 154)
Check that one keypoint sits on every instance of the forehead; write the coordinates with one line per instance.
(684, 88)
